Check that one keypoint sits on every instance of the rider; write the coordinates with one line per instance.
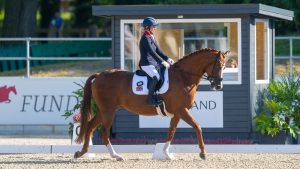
(152, 58)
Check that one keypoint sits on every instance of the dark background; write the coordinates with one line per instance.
(31, 18)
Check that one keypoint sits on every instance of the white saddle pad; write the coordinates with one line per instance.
(139, 84)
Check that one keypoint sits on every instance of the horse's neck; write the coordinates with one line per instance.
(193, 68)
(9, 89)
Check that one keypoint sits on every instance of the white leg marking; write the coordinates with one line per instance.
(168, 155)
(112, 152)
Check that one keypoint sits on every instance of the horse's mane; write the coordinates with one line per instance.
(196, 53)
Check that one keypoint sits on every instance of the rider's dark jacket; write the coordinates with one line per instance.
(149, 51)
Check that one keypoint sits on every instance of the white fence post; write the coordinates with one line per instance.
(27, 57)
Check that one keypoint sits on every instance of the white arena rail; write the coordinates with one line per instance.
(176, 148)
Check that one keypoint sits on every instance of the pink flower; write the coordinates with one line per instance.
(76, 117)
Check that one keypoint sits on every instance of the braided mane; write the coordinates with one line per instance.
(197, 52)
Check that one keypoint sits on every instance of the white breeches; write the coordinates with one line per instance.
(151, 71)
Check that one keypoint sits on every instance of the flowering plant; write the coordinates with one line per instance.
(77, 116)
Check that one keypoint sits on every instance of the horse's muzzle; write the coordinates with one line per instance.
(216, 87)
(219, 87)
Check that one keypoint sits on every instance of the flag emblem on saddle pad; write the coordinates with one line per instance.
(139, 88)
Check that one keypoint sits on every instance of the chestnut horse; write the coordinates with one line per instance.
(112, 90)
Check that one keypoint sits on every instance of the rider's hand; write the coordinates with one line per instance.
(166, 64)
(171, 61)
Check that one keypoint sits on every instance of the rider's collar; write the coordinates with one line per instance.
(148, 33)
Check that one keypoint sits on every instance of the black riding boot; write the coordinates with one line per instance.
(152, 98)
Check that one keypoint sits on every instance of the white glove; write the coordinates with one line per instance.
(171, 61)
(166, 64)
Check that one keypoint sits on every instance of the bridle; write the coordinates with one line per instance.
(213, 78)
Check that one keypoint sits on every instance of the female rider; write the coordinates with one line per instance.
(152, 58)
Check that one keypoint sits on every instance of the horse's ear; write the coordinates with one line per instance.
(223, 55)
(219, 54)
(227, 52)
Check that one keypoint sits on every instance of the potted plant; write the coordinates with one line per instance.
(278, 112)
(77, 116)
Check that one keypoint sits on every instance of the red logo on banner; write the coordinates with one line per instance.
(4, 93)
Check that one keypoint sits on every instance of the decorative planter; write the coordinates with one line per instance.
(96, 139)
(76, 130)
(281, 138)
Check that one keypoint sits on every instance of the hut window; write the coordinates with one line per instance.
(262, 52)
(179, 37)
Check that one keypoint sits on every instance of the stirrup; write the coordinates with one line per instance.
(158, 100)
(156, 103)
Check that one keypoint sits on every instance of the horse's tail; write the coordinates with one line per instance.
(85, 109)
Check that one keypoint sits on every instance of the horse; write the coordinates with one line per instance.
(111, 90)
(4, 93)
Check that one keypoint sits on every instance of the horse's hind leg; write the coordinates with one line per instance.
(189, 119)
(107, 122)
(90, 129)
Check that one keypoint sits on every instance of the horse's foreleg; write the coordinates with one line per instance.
(90, 129)
(189, 119)
(105, 131)
(173, 124)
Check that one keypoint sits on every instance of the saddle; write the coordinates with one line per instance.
(141, 80)
(140, 84)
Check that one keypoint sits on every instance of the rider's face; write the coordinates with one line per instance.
(152, 29)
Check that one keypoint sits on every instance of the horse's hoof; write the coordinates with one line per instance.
(76, 155)
(169, 156)
(119, 158)
(202, 156)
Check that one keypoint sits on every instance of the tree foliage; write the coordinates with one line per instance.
(83, 13)
(20, 15)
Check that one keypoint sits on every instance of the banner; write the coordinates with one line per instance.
(207, 110)
(37, 100)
